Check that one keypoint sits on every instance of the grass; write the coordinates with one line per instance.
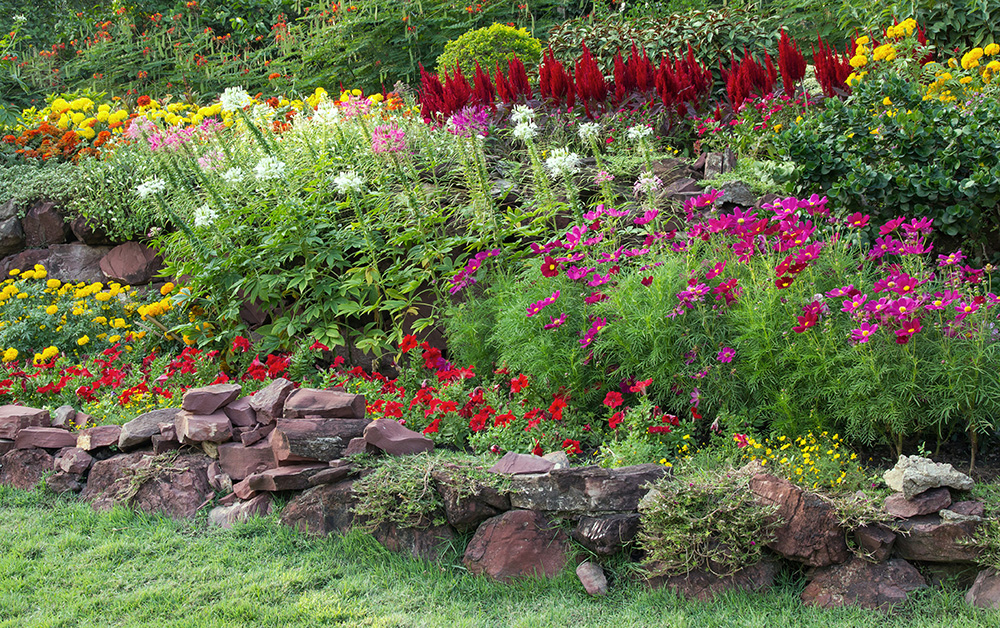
(61, 564)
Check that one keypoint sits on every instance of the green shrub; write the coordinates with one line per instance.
(27, 183)
(496, 44)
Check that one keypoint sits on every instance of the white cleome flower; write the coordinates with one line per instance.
(269, 168)
(234, 98)
(348, 182)
(562, 163)
(232, 176)
(525, 131)
(589, 131)
(327, 113)
(152, 186)
(639, 131)
(204, 216)
(521, 114)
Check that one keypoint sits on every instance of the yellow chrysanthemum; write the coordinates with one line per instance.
(82, 340)
(10, 355)
(51, 310)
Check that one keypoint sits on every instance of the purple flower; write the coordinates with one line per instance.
(726, 354)
(576, 274)
(388, 138)
(556, 321)
(536, 307)
(864, 332)
(469, 122)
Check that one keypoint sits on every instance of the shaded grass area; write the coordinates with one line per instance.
(61, 564)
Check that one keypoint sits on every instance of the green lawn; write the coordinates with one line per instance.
(62, 564)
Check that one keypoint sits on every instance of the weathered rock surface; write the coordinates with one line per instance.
(926, 503)
(290, 478)
(361, 446)
(517, 544)
(11, 236)
(985, 591)
(913, 475)
(465, 509)
(63, 482)
(240, 413)
(592, 578)
(44, 437)
(704, 585)
(44, 225)
(317, 439)
(606, 536)
(517, 464)
(860, 583)
(137, 431)
(269, 402)
(322, 510)
(396, 440)
(929, 538)
(24, 468)
(240, 462)
(426, 543)
(196, 428)
(6, 445)
(876, 541)
(584, 490)
(256, 434)
(208, 399)
(131, 263)
(226, 516)
(810, 532)
(73, 262)
(13, 419)
(313, 402)
(177, 487)
(73, 460)
(64, 417)
(100, 436)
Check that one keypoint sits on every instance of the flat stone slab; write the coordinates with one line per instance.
(584, 490)
(15, 418)
(139, 430)
(44, 437)
(314, 402)
(315, 438)
(863, 584)
(396, 440)
(192, 429)
(208, 399)
(290, 478)
(240, 462)
(100, 436)
(517, 464)
(926, 503)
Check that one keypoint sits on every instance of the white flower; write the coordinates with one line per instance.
(152, 186)
(204, 216)
(20, 19)
(327, 113)
(234, 98)
(639, 131)
(269, 168)
(525, 131)
(589, 131)
(348, 182)
(521, 114)
(647, 183)
(232, 176)
(562, 163)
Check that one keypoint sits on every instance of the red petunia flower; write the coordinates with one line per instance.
(409, 342)
(572, 447)
(613, 399)
(519, 383)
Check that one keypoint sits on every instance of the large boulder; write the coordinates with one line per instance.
(208, 399)
(932, 539)
(860, 583)
(131, 263)
(175, 485)
(427, 542)
(914, 474)
(75, 262)
(322, 509)
(985, 591)
(44, 225)
(809, 531)
(15, 418)
(704, 585)
(518, 544)
(11, 236)
(24, 468)
(316, 439)
(138, 431)
(584, 490)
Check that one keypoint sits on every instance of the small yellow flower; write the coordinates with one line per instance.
(53, 283)
(10, 355)
(887, 101)
(991, 50)
(167, 288)
(14, 271)
(52, 309)
(82, 340)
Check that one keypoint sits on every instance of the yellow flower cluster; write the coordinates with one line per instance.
(963, 76)
(156, 308)
(903, 29)
(810, 460)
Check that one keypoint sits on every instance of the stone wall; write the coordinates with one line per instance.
(297, 442)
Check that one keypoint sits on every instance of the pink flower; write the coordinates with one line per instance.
(556, 322)
(648, 216)
(536, 307)
(726, 354)
(864, 332)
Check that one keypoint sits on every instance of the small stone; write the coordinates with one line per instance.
(100, 436)
(240, 412)
(162, 444)
(139, 430)
(169, 430)
(359, 446)
(44, 437)
(914, 474)
(256, 434)
(396, 440)
(876, 541)
(969, 508)
(64, 417)
(73, 460)
(558, 458)
(985, 591)
(290, 478)
(241, 462)
(242, 490)
(208, 399)
(269, 402)
(331, 475)
(517, 464)
(950, 516)
(926, 503)
(592, 578)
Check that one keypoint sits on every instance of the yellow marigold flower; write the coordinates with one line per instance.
(862, 41)
(114, 339)
(167, 288)
(28, 274)
(965, 80)
(82, 340)
(51, 310)
(10, 355)
(119, 323)
(991, 50)
(100, 320)
(103, 297)
(50, 352)
(53, 283)
(23, 295)
(14, 271)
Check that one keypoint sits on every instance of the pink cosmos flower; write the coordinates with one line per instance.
(864, 332)
(726, 354)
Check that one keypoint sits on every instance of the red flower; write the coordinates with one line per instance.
(241, 344)
(616, 420)
(503, 419)
(433, 427)
(659, 429)
(519, 383)
(318, 345)
(558, 404)
(640, 387)
(572, 447)
(784, 282)
(394, 409)
(409, 342)
(647, 281)
(143, 101)
(613, 399)
(337, 361)
(550, 267)
(806, 321)
(537, 449)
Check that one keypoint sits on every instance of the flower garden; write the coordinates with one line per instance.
(697, 254)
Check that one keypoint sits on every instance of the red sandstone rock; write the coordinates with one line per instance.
(256, 434)
(317, 439)
(131, 263)
(518, 543)
(240, 412)
(193, 429)
(860, 583)
(176, 487)
(44, 225)
(926, 503)
(322, 510)
(139, 430)
(811, 533)
(15, 418)
(584, 490)
(592, 578)
(396, 440)
(968, 509)
(985, 592)
(291, 478)
(240, 462)
(465, 510)
(24, 468)
(606, 536)
(162, 444)
(312, 402)
(208, 399)
(332, 475)
(360, 446)
(427, 542)
(73, 460)
(517, 464)
(6, 445)
(876, 541)
(63, 482)
(930, 539)
(44, 437)
(705, 586)
(100, 436)
(227, 516)
(269, 402)
(242, 490)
